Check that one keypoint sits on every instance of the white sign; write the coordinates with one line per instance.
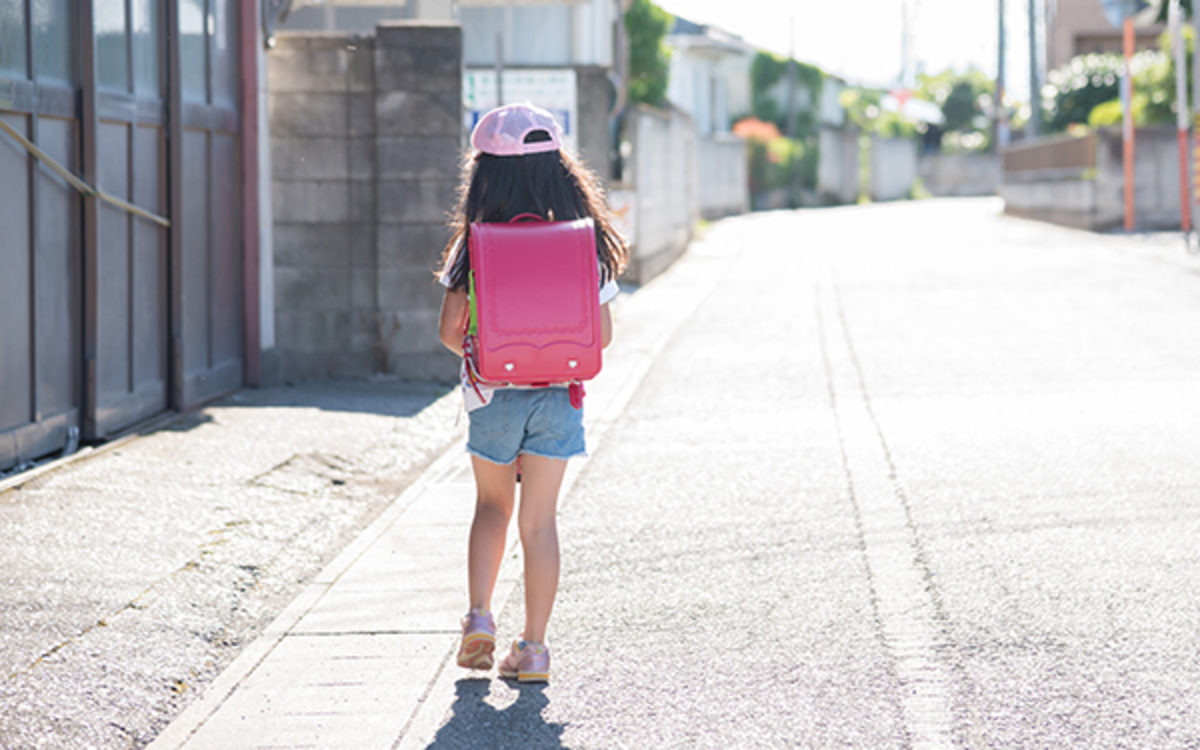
(549, 88)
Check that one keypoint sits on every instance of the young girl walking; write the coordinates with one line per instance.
(519, 166)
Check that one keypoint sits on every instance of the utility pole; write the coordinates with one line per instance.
(1034, 126)
(1175, 19)
(1195, 122)
(908, 44)
(499, 68)
(1128, 131)
(1001, 135)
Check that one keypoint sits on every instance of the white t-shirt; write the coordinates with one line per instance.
(473, 399)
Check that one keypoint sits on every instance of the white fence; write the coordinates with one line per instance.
(837, 170)
(893, 167)
(671, 177)
(722, 176)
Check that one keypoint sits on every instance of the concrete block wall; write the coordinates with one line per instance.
(594, 97)
(365, 138)
(893, 168)
(838, 171)
(960, 174)
(418, 140)
(322, 139)
(1094, 197)
(722, 167)
(663, 176)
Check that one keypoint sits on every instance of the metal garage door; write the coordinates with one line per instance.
(40, 251)
(207, 199)
(124, 148)
(107, 318)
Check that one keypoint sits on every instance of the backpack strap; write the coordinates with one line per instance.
(472, 306)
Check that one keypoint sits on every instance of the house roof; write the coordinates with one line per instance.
(694, 34)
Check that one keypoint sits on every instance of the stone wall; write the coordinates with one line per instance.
(365, 139)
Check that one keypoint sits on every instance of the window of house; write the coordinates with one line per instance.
(12, 40)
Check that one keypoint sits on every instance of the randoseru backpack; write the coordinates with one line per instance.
(534, 302)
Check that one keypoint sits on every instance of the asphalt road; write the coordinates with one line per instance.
(914, 475)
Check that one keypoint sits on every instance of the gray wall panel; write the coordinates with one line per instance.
(150, 263)
(15, 294)
(113, 267)
(194, 226)
(58, 273)
(226, 249)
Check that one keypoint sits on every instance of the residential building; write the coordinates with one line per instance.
(1077, 27)
(709, 75)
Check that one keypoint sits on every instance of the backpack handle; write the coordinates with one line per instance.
(525, 216)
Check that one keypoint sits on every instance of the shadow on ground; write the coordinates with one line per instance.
(391, 398)
(477, 723)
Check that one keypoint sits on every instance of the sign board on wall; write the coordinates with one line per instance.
(550, 88)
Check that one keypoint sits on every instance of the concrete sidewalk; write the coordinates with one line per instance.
(363, 658)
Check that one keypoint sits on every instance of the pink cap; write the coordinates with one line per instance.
(502, 131)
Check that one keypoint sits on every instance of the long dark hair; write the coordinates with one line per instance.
(551, 184)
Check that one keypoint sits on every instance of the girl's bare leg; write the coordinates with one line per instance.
(541, 479)
(495, 491)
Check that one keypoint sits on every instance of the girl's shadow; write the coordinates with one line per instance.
(475, 723)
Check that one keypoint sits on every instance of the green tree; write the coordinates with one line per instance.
(1186, 5)
(961, 107)
(962, 97)
(1075, 89)
(649, 59)
(1087, 89)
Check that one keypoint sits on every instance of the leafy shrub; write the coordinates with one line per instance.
(776, 161)
(1074, 90)
(649, 58)
(1088, 90)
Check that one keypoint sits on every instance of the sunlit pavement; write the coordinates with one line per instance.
(910, 475)
(913, 475)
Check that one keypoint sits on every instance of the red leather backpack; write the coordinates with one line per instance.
(534, 301)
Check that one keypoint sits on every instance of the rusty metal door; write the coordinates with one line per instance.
(125, 256)
(40, 258)
(206, 187)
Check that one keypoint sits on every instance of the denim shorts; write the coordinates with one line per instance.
(539, 421)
